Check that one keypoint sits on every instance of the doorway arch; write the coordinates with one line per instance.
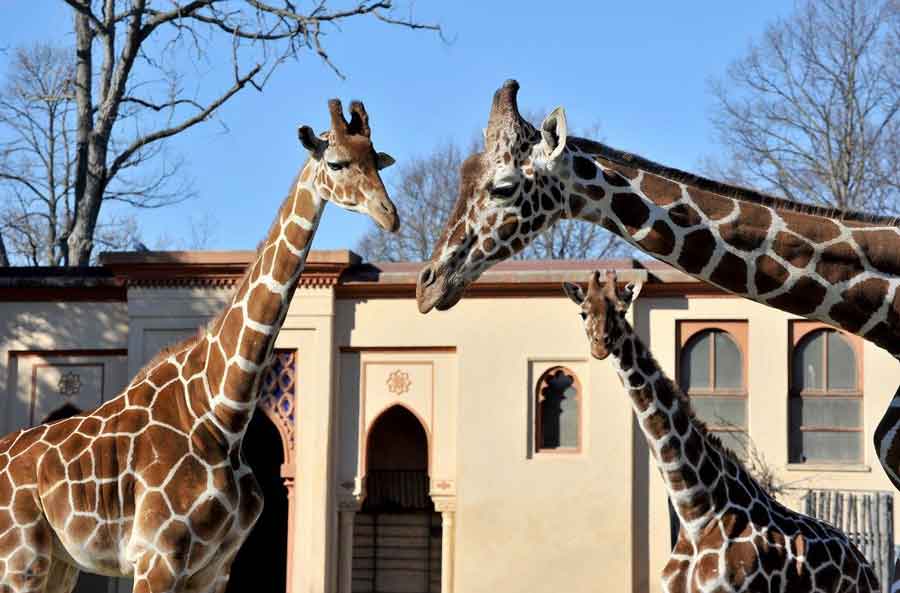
(264, 559)
(397, 533)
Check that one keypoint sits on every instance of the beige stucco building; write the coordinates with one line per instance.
(475, 450)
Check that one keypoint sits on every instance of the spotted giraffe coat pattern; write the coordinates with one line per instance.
(733, 535)
(152, 484)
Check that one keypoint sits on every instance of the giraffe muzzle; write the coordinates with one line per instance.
(433, 291)
(385, 215)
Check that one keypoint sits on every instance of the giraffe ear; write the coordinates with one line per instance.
(555, 131)
(311, 142)
(383, 160)
(626, 297)
(574, 292)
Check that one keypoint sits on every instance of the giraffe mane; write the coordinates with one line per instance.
(685, 401)
(166, 352)
(728, 190)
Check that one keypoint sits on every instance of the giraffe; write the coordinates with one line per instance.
(152, 484)
(733, 535)
(838, 267)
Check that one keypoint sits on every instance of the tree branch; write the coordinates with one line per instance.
(161, 134)
(84, 9)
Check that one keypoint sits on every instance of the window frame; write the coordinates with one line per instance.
(798, 331)
(539, 385)
(685, 331)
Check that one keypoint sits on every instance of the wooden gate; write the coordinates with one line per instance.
(397, 552)
(866, 517)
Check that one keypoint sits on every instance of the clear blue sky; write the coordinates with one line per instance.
(638, 69)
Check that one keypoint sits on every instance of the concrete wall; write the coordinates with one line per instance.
(40, 341)
(526, 521)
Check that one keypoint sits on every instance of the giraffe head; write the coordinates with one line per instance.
(603, 309)
(344, 165)
(508, 194)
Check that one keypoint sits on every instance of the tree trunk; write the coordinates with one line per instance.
(4, 259)
(79, 244)
(81, 240)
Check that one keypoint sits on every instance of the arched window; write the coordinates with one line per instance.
(558, 411)
(825, 415)
(712, 371)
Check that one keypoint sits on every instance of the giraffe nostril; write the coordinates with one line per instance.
(426, 278)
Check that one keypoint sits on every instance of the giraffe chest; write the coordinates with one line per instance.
(213, 510)
(196, 509)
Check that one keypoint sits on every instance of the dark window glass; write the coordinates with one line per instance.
(712, 374)
(559, 410)
(825, 412)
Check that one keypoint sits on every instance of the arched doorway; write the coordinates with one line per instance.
(397, 533)
(262, 562)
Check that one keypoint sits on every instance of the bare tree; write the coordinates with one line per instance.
(424, 193)
(200, 235)
(426, 190)
(130, 91)
(811, 112)
(37, 198)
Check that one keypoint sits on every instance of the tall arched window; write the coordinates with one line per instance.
(558, 411)
(712, 371)
(825, 415)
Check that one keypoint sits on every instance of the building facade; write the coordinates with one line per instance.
(480, 449)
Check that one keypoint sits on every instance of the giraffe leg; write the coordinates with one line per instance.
(156, 573)
(887, 441)
(221, 582)
(62, 578)
(213, 578)
(25, 565)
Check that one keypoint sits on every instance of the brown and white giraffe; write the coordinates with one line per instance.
(842, 268)
(152, 484)
(733, 536)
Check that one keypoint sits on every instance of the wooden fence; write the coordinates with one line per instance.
(866, 517)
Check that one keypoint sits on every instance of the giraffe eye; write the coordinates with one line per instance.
(504, 192)
(337, 165)
(583, 315)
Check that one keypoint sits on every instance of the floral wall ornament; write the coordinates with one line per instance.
(398, 382)
(69, 384)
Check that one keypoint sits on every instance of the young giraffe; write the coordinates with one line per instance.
(839, 267)
(152, 484)
(733, 536)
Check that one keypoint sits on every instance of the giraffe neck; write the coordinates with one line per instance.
(241, 339)
(688, 460)
(840, 268)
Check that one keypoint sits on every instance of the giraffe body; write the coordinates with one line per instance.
(838, 267)
(733, 535)
(152, 484)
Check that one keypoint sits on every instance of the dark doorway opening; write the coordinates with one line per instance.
(261, 564)
(397, 534)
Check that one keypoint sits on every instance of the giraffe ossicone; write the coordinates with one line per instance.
(733, 535)
(152, 484)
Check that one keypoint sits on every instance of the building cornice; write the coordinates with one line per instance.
(214, 269)
(59, 284)
(341, 270)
